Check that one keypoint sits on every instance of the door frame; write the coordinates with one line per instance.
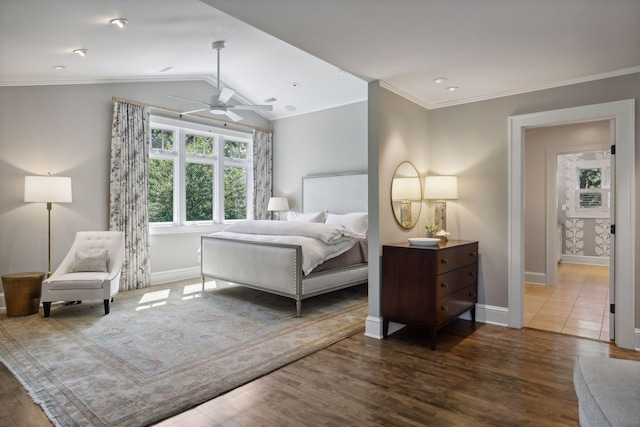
(623, 113)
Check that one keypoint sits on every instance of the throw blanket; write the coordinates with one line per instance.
(319, 241)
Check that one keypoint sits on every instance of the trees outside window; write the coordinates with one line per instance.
(198, 174)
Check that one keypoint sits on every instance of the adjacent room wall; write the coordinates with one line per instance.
(541, 145)
(66, 130)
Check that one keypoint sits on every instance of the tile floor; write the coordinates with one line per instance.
(578, 305)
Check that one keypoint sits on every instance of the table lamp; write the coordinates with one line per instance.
(441, 188)
(47, 189)
(405, 191)
(277, 204)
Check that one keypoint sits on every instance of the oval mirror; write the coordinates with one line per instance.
(406, 195)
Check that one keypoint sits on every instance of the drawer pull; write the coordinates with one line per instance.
(444, 285)
(472, 273)
(444, 308)
(444, 261)
(474, 253)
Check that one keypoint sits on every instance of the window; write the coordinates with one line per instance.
(589, 194)
(198, 175)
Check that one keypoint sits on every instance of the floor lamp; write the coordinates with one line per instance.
(47, 189)
(441, 188)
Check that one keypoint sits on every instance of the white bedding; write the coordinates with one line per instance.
(319, 241)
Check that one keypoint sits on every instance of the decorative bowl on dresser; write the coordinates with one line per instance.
(428, 286)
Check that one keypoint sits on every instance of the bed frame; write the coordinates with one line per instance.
(277, 268)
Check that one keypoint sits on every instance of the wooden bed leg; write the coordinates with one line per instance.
(298, 308)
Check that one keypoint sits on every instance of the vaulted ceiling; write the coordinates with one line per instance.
(310, 55)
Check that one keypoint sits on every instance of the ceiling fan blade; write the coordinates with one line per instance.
(233, 116)
(187, 99)
(225, 95)
(194, 111)
(252, 107)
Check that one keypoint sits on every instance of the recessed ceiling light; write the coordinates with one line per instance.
(81, 52)
(59, 67)
(452, 88)
(440, 80)
(119, 22)
(341, 72)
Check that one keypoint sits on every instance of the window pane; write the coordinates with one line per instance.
(235, 150)
(160, 190)
(196, 144)
(590, 200)
(235, 192)
(161, 139)
(590, 178)
(199, 197)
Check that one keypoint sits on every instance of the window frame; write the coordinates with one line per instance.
(574, 210)
(181, 129)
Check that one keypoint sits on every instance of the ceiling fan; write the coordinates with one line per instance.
(218, 105)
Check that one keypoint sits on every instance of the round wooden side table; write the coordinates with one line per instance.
(22, 293)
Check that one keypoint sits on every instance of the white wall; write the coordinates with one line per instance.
(474, 138)
(325, 142)
(66, 130)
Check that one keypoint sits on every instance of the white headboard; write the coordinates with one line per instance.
(336, 193)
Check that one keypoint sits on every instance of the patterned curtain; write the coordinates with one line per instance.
(262, 173)
(128, 191)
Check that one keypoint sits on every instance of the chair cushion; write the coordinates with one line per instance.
(608, 391)
(83, 280)
(90, 261)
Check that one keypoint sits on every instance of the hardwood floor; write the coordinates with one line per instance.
(480, 375)
(578, 305)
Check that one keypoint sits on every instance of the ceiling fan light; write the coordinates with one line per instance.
(119, 22)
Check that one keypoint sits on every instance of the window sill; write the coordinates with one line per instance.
(182, 229)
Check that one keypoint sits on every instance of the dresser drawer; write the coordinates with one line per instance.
(452, 281)
(454, 304)
(453, 258)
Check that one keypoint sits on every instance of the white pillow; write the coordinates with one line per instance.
(307, 217)
(90, 261)
(356, 223)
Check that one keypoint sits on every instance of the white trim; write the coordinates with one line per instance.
(3, 304)
(489, 314)
(636, 334)
(535, 278)
(585, 260)
(161, 277)
(623, 112)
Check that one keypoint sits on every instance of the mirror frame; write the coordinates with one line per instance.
(396, 205)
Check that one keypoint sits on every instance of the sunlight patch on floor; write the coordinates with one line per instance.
(153, 299)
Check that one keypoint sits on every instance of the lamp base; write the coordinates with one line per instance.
(441, 215)
(405, 213)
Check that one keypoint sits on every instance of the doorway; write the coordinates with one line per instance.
(622, 112)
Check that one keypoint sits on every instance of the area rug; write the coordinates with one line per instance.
(167, 348)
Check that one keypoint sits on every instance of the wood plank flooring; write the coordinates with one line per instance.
(480, 375)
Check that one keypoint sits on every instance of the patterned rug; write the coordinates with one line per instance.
(164, 349)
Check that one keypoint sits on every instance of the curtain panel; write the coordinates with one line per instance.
(262, 173)
(128, 191)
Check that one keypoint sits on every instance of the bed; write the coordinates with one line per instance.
(280, 268)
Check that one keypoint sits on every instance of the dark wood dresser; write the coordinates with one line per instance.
(428, 286)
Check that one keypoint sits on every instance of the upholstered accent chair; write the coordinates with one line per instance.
(91, 270)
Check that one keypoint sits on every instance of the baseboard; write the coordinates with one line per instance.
(636, 335)
(484, 314)
(586, 260)
(174, 275)
(535, 278)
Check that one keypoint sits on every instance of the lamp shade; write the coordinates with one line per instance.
(405, 189)
(47, 189)
(441, 187)
(278, 204)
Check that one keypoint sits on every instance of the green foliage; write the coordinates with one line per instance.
(160, 190)
(235, 193)
(196, 144)
(162, 139)
(591, 178)
(199, 197)
(235, 150)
